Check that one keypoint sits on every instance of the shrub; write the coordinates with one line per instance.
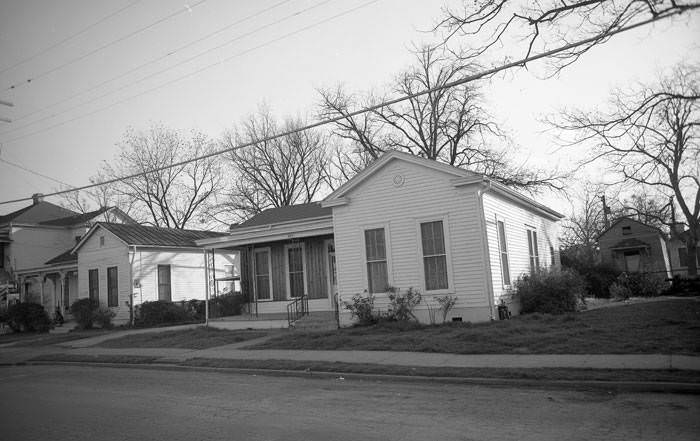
(227, 304)
(599, 277)
(638, 285)
(361, 307)
(28, 317)
(550, 292)
(161, 312)
(446, 303)
(103, 317)
(83, 311)
(401, 306)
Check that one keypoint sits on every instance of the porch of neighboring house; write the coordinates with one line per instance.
(54, 287)
(635, 256)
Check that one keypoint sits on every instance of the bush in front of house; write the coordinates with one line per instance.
(225, 305)
(598, 276)
(103, 317)
(161, 312)
(400, 308)
(550, 291)
(401, 305)
(28, 317)
(638, 285)
(84, 312)
(361, 307)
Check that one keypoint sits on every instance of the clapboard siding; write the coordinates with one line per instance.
(655, 260)
(517, 219)
(426, 194)
(186, 272)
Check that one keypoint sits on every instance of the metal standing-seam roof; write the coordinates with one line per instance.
(37, 213)
(75, 219)
(63, 258)
(286, 214)
(133, 234)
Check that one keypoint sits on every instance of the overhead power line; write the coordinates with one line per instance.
(190, 74)
(70, 37)
(139, 67)
(185, 9)
(469, 78)
(34, 172)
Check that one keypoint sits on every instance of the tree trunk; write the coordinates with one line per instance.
(692, 258)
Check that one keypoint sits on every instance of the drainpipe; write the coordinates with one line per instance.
(484, 242)
(131, 286)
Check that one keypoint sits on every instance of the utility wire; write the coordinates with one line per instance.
(187, 8)
(33, 172)
(70, 37)
(156, 73)
(139, 67)
(323, 122)
(190, 74)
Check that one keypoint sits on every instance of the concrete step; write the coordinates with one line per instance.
(318, 321)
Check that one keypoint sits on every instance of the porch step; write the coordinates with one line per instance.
(317, 321)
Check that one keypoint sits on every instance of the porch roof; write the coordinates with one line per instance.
(64, 258)
(242, 236)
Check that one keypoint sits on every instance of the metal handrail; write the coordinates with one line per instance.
(297, 308)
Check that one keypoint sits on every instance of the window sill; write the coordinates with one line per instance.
(436, 292)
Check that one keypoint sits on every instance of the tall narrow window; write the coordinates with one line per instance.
(295, 271)
(434, 256)
(94, 285)
(164, 290)
(262, 274)
(2, 255)
(533, 251)
(377, 272)
(112, 287)
(503, 248)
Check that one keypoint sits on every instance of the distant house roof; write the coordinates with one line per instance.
(625, 218)
(65, 257)
(287, 214)
(37, 213)
(75, 219)
(134, 234)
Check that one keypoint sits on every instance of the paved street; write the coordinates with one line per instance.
(97, 403)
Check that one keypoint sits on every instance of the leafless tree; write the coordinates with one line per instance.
(175, 197)
(102, 196)
(510, 30)
(273, 172)
(448, 124)
(649, 137)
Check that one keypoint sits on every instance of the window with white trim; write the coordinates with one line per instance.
(295, 271)
(434, 255)
(503, 251)
(263, 278)
(533, 251)
(375, 252)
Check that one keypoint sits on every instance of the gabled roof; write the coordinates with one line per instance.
(461, 177)
(76, 218)
(287, 214)
(65, 257)
(142, 235)
(626, 218)
(37, 213)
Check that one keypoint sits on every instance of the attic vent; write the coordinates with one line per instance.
(102, 241)
(627, 230)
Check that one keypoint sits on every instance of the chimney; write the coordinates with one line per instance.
(37, 197)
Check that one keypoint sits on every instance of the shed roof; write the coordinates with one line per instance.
(286, 214)
(134, 234)
(65, 257)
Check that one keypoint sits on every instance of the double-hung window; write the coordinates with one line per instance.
(533, 251)
(375, 252)
(503, 250)
(164, 288)
(295, 270)
(112, 287)
(262, 268)
(94, 285)
(434, 255)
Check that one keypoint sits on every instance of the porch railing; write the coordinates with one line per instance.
(297, 308)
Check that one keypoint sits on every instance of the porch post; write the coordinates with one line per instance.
(61, 298)
(42, 280)
(206, 289)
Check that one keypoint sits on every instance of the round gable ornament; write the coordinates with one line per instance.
(398, 180)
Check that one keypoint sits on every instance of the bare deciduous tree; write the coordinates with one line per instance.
(102, 196)
(510, 30)
(649, 137)
(175, 197)
(273, 172)
(448, 124)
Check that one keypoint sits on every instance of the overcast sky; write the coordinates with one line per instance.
(68, 119)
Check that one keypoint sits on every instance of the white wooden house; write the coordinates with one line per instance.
(403, 222)
(122, 265)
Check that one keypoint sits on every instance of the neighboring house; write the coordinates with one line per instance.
(118, 261)
(34, 245)
(632, 246)
(402, 222)
(678, 253)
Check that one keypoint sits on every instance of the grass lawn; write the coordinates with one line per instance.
(199, 338)
(46, 339)
(666, 326)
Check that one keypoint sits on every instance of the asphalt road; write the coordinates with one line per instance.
(95, 403)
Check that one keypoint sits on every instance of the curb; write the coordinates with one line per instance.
(610, 386)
